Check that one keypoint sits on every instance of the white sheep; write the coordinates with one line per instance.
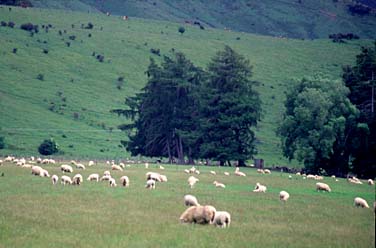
(116, 167)
(239, 173)
(190, 200)
(186, 171)
(226, 173)
(310, 176)
(163, 178)
(66, 168)
(219, 185)
(370, 182)
(267, 171)
(222, 219)
(77, 179)
(192, 181)
(284, 196)
(153, 175)
(1, 162)
(213, 173)
(192, 169)
(360, 202)
(260, 188)
(261, 171)
(198, 215)
(323, 187)
(66, 180)
(106, 178)
(150, 184)
(197, 172)
(161, 167)
(80, 166)
(54, 179)
(39, 171)
(106, 173)
(93, 177)
(124, 180)
(112, 182)
(91, 163)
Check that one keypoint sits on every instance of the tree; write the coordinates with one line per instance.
(48, 147)
(317, 123)
(230, 108)
(361, 80)
(181, 30)
(2, 143)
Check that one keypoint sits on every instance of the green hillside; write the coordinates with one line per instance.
(72, 102)
(294, 19)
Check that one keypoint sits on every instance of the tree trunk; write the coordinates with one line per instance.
(241, 163)
(190, 159)
(169, 152)
(179, 150)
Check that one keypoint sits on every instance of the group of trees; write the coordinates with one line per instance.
(185, 112)
(330, 125)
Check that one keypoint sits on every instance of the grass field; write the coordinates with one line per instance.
(72, 102)
(35, 213)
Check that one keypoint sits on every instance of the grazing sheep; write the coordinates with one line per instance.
(93, 177)
(80, 166)
(112, 182)
(190, 200)
(298, 174)
(37, 171)
(161, 167)
(213, 173)
(124, 180)
(163, 178)
(267, 171)
(259, 188)
(186, 171)
(116, 167)
(66, 180)
(198, 215)
(192, 181)
(309, 176)
(323, 187)
(222, 219)
(261, 171)
(122, 165)
(54, 179)
(192, 169)
(44, 173)
(219, 185)
(153, 175)
(239, 173)
(91, 163)
(284, 196)
(1, 162)
(106, 173)
(150, 184)
(319, 177)
(197, 172)
(354, 180)
(370, 182)
(106, 178)
(66, 168)
(77, 179)
(360, 202)
(226, 173)
(26, 166)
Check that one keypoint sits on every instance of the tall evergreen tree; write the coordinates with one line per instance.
(230, 108)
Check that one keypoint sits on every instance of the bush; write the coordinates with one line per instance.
(3, 24)
(14, 50)
(155, 51)
(72, 37)
(2, 143)
(40, 77)
(11, 24)
(29, 27)
(89, 26)
(181, 30)
(48, 147)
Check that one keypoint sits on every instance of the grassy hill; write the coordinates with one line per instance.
(72, 102)
(294, 19)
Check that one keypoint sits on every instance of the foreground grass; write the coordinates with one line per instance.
(34, 213)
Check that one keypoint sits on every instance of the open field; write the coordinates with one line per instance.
(35, 213)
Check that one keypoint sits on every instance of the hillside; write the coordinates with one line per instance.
(295, 19)
(53, 86)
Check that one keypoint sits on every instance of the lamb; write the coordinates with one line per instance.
(284, 196)
(146, 165)
(190, 200)
(112, 182)
(267, 171)
(198, 215)
(259, 188)
(116, 167)
(106, 178)
(106, 173)
(150, 184)
(66, 180)
(219, 185)
(54, 179)
(360, 202)
(93, 177)
(124, 180)
(213, 173)
(370, 182)
(323, 186)
(222, 219)
(77, 179)
(226, 173)
(91, 163)
(192, 181)
(80, 166)
(122, 165)
(66, 168)
(186, 171)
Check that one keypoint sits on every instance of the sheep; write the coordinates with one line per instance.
(66, 180)
(192, 169)
(150, 184)
(124, 180)
(197, 172)
(226, 173)
(26, 166)
(192, 181)
(80, 166)
(259, 188)
(77, 179)
(213, 173)
(309, 176)
(146, 165)
(106, 178)
(186, 171)
(116, 167)
(91, 163)
(319, 177)
(266, 171)
(190, 200)
(370, 182)
(222, 219)
(44, 173)
(298, 174)
(239, 173)
(93, 177)
(284, 196)
(360, 202)
(219, 185)
(198, 215)
(1, 162)
(354, 180)
(261, 171)
(163, 178)
(161, 167)
(153, 175)
(106, 173)
(112, 182)
(54, 179)
(323, 186)
(66, 168)
(37, 171)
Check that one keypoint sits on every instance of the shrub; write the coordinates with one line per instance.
(155, 51)
(48, 147)
(72, 37)
(29, 27)
(45, 51)
(68, 44)
(89, 26)
(2, 143)
(11, 24)
(3, 24)
(14, 50)
(181, 30)
(40, 77)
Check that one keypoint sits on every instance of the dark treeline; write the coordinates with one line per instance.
(186, 113)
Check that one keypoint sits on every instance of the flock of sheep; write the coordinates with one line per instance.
(195, 213)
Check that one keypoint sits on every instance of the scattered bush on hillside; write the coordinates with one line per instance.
(45, 51)
(89, 35)
(67, 43)
(340, 37)
(72, 37)
(21, 3)
(100, 58)
(155, 51)
(40, 77)
(181, 30)
(89, 26)
(48, 147)
(60, 33)
(11, 24)
(120, 83)
(2, 142)
(358, 9)
(14, 50)
(29, 27)
(3, 24)
(76, 116)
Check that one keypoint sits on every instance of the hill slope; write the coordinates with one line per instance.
(72, 98)
(295, 19)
